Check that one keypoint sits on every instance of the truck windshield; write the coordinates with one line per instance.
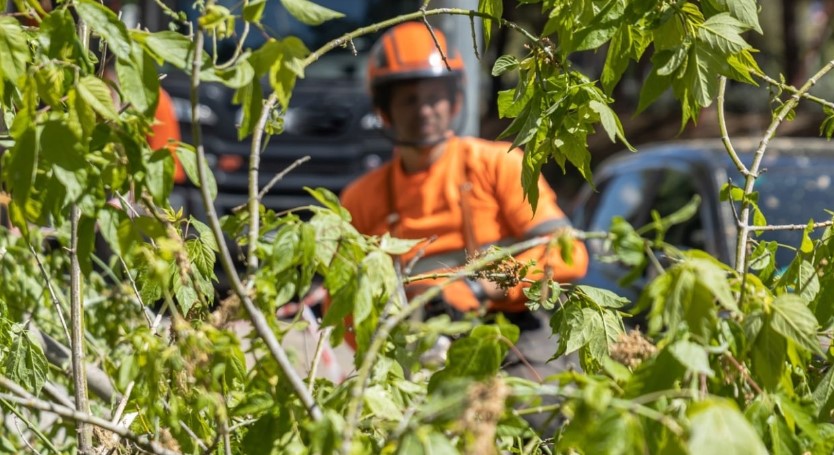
(278, 23)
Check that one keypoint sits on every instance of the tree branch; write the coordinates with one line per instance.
(82, 417)
(79, 376)
(750, 178)
(256, 316)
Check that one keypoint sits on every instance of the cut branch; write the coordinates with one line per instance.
(79, 376)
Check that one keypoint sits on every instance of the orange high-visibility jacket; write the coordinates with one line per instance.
(427, 205)
(166, 128)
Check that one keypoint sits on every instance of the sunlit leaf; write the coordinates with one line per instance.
(716, 426)
(26, 363)
(310, 13)
(97, 94)
(104, 22)
(794, 320)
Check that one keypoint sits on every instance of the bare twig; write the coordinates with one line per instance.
(52, 295)
(277, 178)
(324, 335)
(744, 373)
(792, 227)
(79, 375)
(522, 358)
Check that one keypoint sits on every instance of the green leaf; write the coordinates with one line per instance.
(139, 81)
(716, 426)
(250, 99)
(627, 42)
(380, 403)
(603, 297)
(425, 441)
(477, 356)
(201, 255)
(610, 122)
(824, 395)
(392, 245)
(107, 25)
(768, 357)
(19, 166)
(168, 46)
(187, 157)
(746, 11)
(26, 363)
(14, 49)
(653, 87)
(794, 320)
(97, 94)
(693, 356)
(254, 10)
(286, 68)
(238, 76)
(60, 146)
(722, 33)
(159, 178)
(328, 199)
(206, 234)
(310, 13)
(494, 8)
(503, 64)
(807, 245)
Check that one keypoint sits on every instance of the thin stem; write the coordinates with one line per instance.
(82, 417)
(744, 373)
(792, 227)
(79, 374)
(750, 178)
(54, 297)
(522, 358)
(311, 378)
(256, 316)
(792, 89)
(722, 125)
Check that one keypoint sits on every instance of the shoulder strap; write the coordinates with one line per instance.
(470, 241)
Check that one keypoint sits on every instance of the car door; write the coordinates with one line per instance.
(632, 191)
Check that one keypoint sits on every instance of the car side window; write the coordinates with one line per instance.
(674, 190)
(622, 195)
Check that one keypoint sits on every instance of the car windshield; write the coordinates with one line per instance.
(794, 195)
(277, 22)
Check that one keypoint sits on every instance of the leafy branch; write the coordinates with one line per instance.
(258, 319)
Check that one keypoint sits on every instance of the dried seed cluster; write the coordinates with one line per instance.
(632, 348)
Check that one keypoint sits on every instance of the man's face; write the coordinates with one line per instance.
(421, 111)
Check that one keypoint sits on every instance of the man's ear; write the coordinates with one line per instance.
(458, 103)
(386, 119)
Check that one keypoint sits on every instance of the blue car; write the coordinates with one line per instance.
(795, 186)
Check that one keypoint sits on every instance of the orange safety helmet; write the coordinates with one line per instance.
(408, 51)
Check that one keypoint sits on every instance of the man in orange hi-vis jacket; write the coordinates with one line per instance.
(463, 193)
